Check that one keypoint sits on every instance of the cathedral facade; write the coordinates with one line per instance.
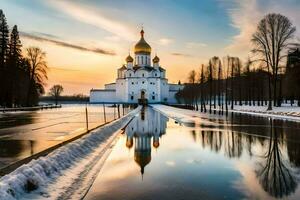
(141, 79)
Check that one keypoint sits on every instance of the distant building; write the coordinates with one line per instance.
(293, 59)
(138, 80)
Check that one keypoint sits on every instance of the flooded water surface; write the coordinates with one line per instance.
(234, 157)
(25, 133)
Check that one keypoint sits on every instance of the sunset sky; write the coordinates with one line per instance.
(86, 41)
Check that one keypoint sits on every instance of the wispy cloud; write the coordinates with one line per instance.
(165, 41)
(180, 54)
(113, 38)
(194, 45)
(37, 37)
(245, 15)
(45, 35)
(89, 16)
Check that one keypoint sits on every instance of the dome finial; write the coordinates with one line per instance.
(142, 30)
(142, 46)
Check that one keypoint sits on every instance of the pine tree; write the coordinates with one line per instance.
(3, 54)
(13, 67)
(3, 39)
(15, 45)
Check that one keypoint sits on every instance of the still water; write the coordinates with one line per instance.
(25, 133)
(234, 157)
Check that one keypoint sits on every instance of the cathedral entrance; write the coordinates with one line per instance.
(143, 100)
(142, 94)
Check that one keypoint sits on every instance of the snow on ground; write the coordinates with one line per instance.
(178, 114)
(67, 172)
(285, 112)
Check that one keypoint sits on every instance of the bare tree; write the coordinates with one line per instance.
(55, 91)
(202, 81)
(270, 41)
(210, 80)
(192, 77)
(37, 69)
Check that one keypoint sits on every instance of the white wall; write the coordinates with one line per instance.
(110, 86)
(103, 96)
(172, 98)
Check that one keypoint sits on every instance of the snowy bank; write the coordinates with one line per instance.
(68, 171)
(284, 112)
(190, 116)
(178, 114)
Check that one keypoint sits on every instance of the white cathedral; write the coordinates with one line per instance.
(138, 80)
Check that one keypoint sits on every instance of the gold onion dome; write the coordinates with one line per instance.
(156, 59)
(156, 143)
(129, 59)
(142, 159)
(142, 46)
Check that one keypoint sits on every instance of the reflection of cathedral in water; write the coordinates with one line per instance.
(149, 125)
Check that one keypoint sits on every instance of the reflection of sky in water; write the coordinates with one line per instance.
(243, 157)
(25, 133)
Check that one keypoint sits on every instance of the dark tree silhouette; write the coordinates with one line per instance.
(270, 40)
(4, 39)
(275, 174)
(55, 92)
(37, 71)
(14, 59)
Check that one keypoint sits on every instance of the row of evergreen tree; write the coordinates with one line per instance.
(21, 77)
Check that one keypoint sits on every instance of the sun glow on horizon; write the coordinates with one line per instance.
(86, 43)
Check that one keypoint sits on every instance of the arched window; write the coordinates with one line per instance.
(142, 60)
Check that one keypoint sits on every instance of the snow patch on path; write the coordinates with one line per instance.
(67, 172)
(191, 116)
(178, 114)
(285, 112)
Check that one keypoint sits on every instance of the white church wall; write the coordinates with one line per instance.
(121, 88)
(175, 86)
(142, 73)
(172, 97)
(129, 73)
(110, 86)
(103, 96)
(154, 90)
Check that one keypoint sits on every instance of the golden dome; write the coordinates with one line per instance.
(155, 59)
(142, 46)
(129, 143)
(123, 68)
(129, 59)
(142, 159)
(156, 143)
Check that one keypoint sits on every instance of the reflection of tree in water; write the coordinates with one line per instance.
(14, 148)
(275, 173)
(17, 119)
(212, 139)
(294, 152)
(233, 147)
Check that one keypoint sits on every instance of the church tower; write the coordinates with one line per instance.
(156, 62)
(142, 51)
